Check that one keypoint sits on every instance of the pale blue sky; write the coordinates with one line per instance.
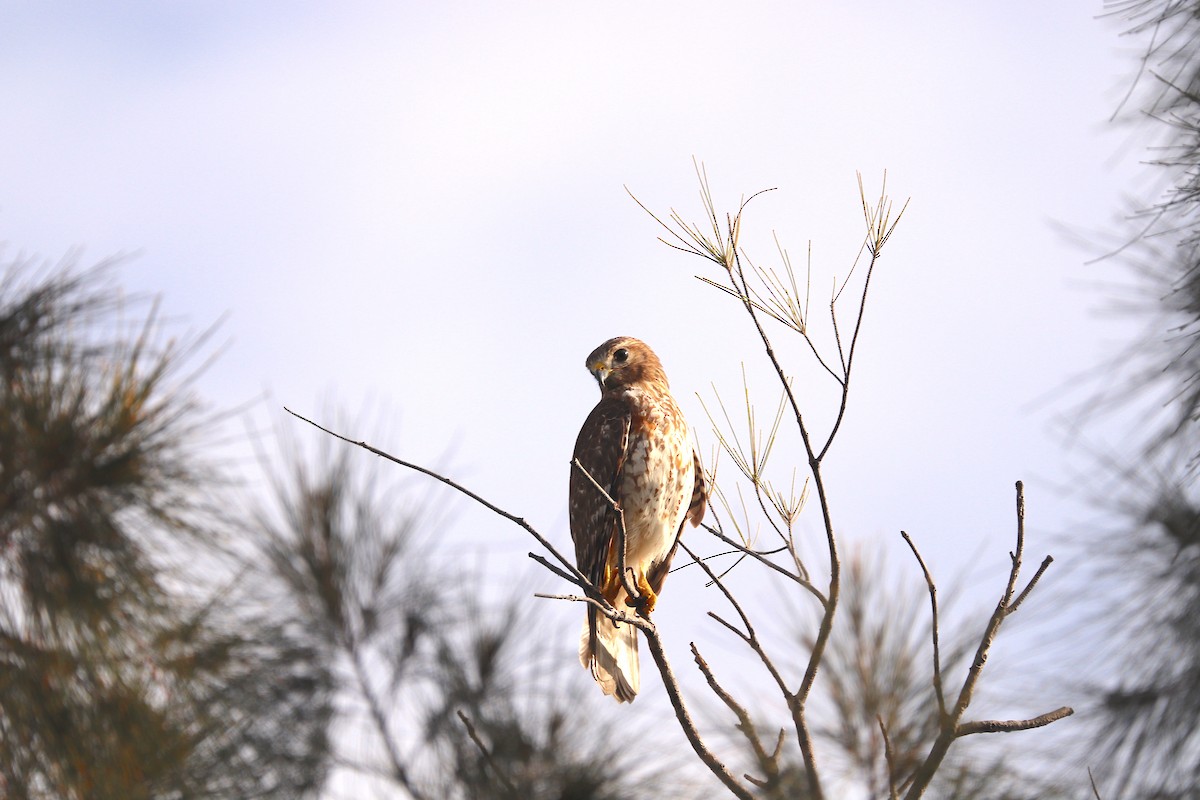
(421, 206)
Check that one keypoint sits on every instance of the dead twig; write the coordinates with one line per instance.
(578, 578)
(1008, 725)
(951, 726)
(888, 759)
(749, 636)
(768, 762)
(487, 754)
(684, 717)
(1046, 562)
(937, 656)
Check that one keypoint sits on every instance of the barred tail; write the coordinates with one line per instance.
(611, 653)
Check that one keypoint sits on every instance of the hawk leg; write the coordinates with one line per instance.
(645, 601)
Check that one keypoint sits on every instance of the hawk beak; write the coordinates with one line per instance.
(601, 372)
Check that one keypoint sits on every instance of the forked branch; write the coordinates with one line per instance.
(951, 725)
(775, 300)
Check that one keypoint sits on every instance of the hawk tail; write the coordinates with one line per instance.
(611, 653)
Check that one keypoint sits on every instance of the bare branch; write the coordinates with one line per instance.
(579, 578)
(671, 684)
(1017, 554)
(767, 762)
(887, 755)
(848, 361)
(604, 607)
(950, 723)
(762, 559)
(730, 626)
(1046, 562)
(937, 657)
(1004, 726)
(1092, 780)
(557, 571)
(487, 754)
(749, 637)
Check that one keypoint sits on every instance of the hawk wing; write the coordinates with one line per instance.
(695, 515)
(600, 449)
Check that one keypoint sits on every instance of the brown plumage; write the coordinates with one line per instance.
(636, 445)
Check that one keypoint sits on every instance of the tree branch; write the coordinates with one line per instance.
(762, 559)
(887, 756)
(950, 723)
(1046, 562)
(579, 578)
(687, 724)
(1092, 781)
(750, 637)
(487, 755)
(1005, 726)
(768, 763)
(799, 698)
(937, 657)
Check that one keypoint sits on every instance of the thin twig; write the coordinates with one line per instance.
(740, 558)
(487, 755)
(848, 362)
(937, 657)
(887, 756)
(1046, 562)
(579, 577)
(603, 606)
(768, 763)
(762, 559)
(1004, 726)
(880, 227)
(557, 571)
(950, 724)
(749, 636)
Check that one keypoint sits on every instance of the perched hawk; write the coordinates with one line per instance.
(636, 445)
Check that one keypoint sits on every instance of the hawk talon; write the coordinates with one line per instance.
(645, 601)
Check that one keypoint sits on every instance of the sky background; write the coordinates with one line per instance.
(417, 213)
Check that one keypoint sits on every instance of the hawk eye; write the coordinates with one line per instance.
(621, 356)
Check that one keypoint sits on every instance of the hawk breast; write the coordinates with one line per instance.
(656, 482)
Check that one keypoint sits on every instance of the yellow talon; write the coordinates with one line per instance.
(648, 598)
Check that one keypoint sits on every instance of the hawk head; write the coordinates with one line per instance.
(624, 361)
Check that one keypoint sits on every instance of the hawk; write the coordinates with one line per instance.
(636, 446)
